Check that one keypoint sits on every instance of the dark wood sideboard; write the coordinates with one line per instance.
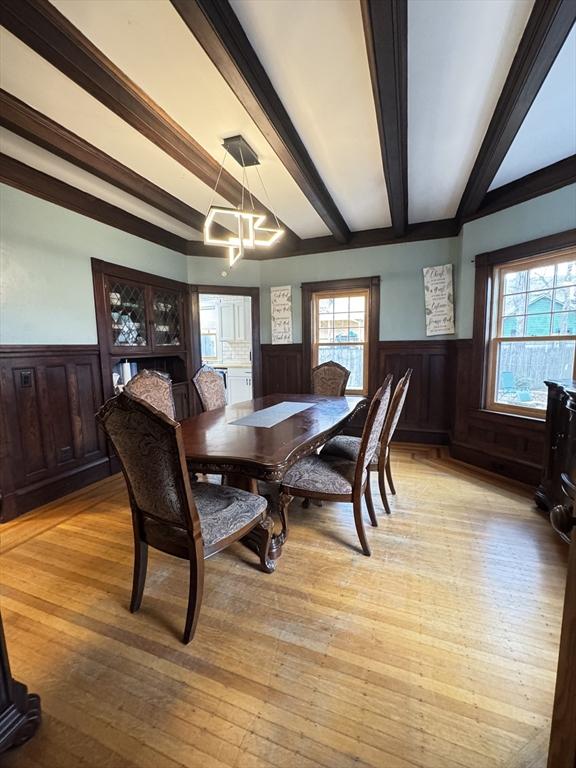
(562, 752)
(19, 710)
(559, 444)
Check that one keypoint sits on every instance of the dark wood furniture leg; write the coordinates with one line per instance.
(140, 565)
(195, 592)
(261, 540)
(20, 713)
(370, 502)
(359, 523)
(389, 475)
(283, 504)
(382, 483)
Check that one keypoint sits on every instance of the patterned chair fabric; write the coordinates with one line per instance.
(155, 388)
(330, 379)
(148, 445)
(223, 510)
(210, 388)
(329, 474)
(166, 514)
(347, 446)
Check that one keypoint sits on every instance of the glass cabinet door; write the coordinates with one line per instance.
(166, 319)
(128, 314)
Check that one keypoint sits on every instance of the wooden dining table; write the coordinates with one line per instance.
(274, 432)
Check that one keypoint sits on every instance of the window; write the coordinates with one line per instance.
(533, 334)
(341, 333)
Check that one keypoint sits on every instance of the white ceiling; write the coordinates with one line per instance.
(36, 157)
(548, 133)
(333, 110)
(28, 76)
(174, 71)
(459, 54)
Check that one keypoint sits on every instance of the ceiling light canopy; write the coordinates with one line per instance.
(246, 225)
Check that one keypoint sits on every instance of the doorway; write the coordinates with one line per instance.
(230, 338)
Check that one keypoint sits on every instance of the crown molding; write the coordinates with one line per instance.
(20, 118)
(540, 182)
(548, 27)
(24, 177)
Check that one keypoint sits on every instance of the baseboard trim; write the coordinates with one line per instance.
(523, 471)
(25, 499)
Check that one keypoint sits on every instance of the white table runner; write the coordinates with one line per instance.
(269, 417)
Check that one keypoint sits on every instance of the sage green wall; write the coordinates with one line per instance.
(545, 215)
(401, 288)
(46, 294)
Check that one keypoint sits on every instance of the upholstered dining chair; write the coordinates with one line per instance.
(330, 379)
(348, 447)
(331, 478)
(167, 513)
(155, 388)
(210, 387)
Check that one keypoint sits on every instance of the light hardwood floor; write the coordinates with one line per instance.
(439, 651)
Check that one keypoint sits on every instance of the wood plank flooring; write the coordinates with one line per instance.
(439, 651)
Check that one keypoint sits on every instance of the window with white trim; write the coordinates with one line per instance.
(533, 334)
(341, 333)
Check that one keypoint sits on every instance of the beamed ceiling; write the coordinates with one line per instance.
(375, 121)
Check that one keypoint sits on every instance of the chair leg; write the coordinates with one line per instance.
(382, 487)
(195, 591)
(305, 503)
(370, 503)
(389, 475)
(263, 533)
(360, 525)
(139, 576)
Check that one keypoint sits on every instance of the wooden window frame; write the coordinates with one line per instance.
(486, 294)
(317, 296)
(345, 287)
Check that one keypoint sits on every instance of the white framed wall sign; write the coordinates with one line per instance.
(281, 306)
(439, 299)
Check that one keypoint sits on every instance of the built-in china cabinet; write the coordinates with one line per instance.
(145, 321)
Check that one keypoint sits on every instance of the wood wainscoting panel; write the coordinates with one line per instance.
(426, 414)
(50, 441)
(502, 443)
(282, 369)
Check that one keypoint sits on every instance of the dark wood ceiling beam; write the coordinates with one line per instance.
(218, 30)
(532, 185)
(386, 34)
(32, 125)
(548, 27)
(24, 177)
(43, 28)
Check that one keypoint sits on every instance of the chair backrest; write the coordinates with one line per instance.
(373, 427)
(395, 409)
(149, 447)
(210, 387)
(329, 379)
(155, 388)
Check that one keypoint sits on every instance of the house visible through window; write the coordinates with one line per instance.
(533, 332)
(340, 333)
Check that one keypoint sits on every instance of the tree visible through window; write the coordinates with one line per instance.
(533, 333)
(340, 333)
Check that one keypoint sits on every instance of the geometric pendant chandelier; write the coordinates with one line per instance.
(247, 227)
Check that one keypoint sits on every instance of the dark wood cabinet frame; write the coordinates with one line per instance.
(372, 284)
(254, 294)
(186, 356)
(483, 302)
